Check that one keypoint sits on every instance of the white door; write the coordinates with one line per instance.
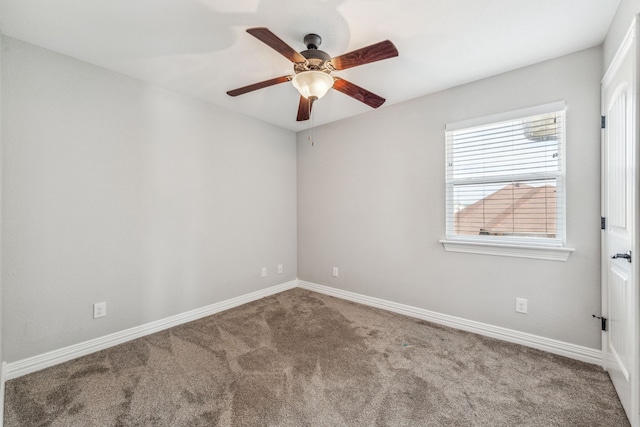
(620, 255)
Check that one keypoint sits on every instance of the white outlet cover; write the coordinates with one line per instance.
(279, 268)
(264, 271)
(335, 271)
(521, 305)
(99, 309)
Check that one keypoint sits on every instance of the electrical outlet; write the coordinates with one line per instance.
(279, 268)
(521, 305)
(99, 309)
(264, 271)
(335, 271)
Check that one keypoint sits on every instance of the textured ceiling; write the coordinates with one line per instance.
(200, 47)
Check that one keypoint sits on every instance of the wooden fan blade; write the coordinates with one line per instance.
(260, 85)
(304, 109)
(274, 42)
(372, 53)
(356, 92)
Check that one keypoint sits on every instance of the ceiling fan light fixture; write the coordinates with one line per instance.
(312, 84)
(313, 67)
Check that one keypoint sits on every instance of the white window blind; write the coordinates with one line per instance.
(505, 178)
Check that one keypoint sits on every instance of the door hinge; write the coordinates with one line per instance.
(603, 322)
(603, 223)
(603, 122)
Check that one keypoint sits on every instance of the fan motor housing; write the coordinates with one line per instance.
(315, 54)
(316, 60)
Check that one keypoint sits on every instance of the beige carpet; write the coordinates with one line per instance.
(304, 359)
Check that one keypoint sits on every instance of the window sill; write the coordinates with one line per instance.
(500, 249)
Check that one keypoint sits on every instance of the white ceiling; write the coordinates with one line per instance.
(200, 47)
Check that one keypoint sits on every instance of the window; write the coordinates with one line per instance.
(505, 180)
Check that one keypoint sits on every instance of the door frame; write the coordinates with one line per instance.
(631, 40)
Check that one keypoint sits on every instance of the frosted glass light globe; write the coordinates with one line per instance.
(312, 84)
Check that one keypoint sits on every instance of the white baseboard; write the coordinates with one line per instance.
(573, 351)
(25, 366)
(35, 363)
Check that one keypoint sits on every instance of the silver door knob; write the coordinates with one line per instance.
(626, 256)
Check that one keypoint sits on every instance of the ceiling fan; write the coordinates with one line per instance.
(313, 67)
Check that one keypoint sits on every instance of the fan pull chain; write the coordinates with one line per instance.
(313, 142)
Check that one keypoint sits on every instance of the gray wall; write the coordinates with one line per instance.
(118, 191)
(371, 202)
(619, 27)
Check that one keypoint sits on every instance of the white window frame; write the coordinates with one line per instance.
(537, 248)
